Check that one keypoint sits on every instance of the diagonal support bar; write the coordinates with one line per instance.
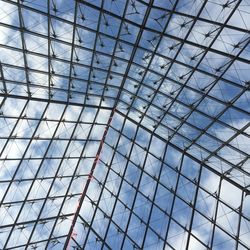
(72, 233)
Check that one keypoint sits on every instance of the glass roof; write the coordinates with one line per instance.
(124, 124)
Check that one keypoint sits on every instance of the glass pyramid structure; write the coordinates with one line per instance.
(125, 124)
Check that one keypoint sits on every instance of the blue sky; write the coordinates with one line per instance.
(179, 86)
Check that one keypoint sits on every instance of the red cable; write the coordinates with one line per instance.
(73, 233)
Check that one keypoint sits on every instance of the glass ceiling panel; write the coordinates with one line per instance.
(124, 124)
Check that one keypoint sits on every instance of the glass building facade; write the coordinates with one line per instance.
(125, 124)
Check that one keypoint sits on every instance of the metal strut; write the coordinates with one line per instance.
(72, 233)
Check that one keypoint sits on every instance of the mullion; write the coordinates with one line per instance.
(157, 180)
(124, 172)
(142, 83)
(240, 219)
(14, 174)
(114, 52)
(22, 29)
(239, 132)
(50, 120)
(2, 104)
(99, 238)
(96, 209)
(156, 7)
(137, 216)
(193, 205)
(14, 127)
(203, 148)
(85, 189)
(6, 204)
(172, 61)
(55, 176)
(37, 242)
(51, 101)
(38, 170)
(218, 52)
(202, 131)
(132, 56)
(118, 199)
(203, 162)
(215, 119)
(124, 232)
(129, 77)
(137, 187)
(42, 220)
(201, 59)
(63, 90)
(46, 138)
(188, 155)
(192, 68)
(187, 106)
(46, 158)
(2, 78)
(44, 178)
(78, 246)
(100, 195)
(180, 173)
(201, 19)
(72, 51)
(174, 100)
(186, 202)
(173, 202)
(135, 47)
(91, 5)
(215, 213)
(97, 35)
(153, 53)
(124, 60)
(180, 40)
(77, 165)
(49, 45)
(198, 111)
(214, 153)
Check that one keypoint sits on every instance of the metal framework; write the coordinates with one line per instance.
(124, 124)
